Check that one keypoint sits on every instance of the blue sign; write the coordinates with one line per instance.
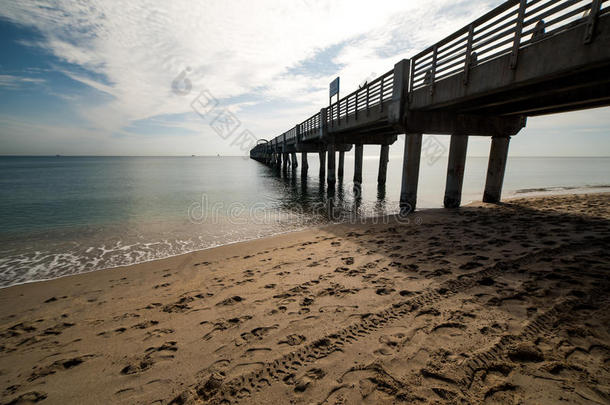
(334, 87)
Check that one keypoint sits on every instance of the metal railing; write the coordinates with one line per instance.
(310, 127)
(504, 30)
(361, 101)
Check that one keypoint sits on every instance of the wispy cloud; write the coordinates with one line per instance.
(233, 48)
(262, 52)
(13, 82)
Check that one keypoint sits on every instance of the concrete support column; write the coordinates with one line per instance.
(498, 155)
(295, 162)
(383, 164)
(340, 168)
(285, 161)
(304, 164)
(331, 166)
(410, 172)
(322, 156)
(358, 164)
(455, 171)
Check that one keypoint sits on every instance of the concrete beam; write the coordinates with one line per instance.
(410, 172)
(358, 164)
(455, 171)
(447, 123)
(384, 157)
(367, 138)
(498, 155)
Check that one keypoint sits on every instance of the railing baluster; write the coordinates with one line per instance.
(368, 87)
(347, 110)
(433, 69)
(590, 30)
(468, 53)
(381, 95)
(356, 112)
(518, 30)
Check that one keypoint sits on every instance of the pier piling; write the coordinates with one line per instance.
(331, 166)
(410, 172)
(455, 171)
(358, 164)
(383, 164)
(498, 155)
(304, 164)
(322, 156)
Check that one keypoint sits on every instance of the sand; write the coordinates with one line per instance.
(485, 304)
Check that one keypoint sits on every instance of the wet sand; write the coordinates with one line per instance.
(490, 304)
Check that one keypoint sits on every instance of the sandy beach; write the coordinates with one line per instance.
(485, 304)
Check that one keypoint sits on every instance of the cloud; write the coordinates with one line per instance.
(234, 48)
(12, 82)
(254, 57)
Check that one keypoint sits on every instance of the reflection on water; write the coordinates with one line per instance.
(64, 215)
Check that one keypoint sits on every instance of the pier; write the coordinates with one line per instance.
(521, 59)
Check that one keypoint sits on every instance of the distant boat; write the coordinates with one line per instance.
(218, 155)
(57, 155)
(192, 155)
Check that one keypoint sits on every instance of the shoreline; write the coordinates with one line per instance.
(365, 313)
(362, 221)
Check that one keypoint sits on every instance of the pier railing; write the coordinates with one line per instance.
(504, 30)
(371, 95)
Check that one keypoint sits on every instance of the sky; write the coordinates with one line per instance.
(131, 77)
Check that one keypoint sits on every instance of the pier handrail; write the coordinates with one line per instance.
(371, 95)
(509, 27)
(506, 29)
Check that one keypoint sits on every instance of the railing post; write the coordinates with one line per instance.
(468, 53)
(590, 29)
(297, 135)
(400, 92)
(323, 124)
(381, 94)
(347, 109)
(518, 30)
(433, 69)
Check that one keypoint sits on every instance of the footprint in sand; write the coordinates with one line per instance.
(292, 340)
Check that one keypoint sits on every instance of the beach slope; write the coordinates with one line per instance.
(484, 304)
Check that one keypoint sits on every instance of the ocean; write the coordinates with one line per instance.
(67, 215)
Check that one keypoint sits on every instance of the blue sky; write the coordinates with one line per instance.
(96, 78)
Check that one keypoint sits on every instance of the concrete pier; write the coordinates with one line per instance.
(285, 161)
(383, 164)
(322, 156)
(498, 155)
(358, 164)
(455, 171)
(330, 175)
(295, 162)
(304, 164)
(341, 162)
(410, 172)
